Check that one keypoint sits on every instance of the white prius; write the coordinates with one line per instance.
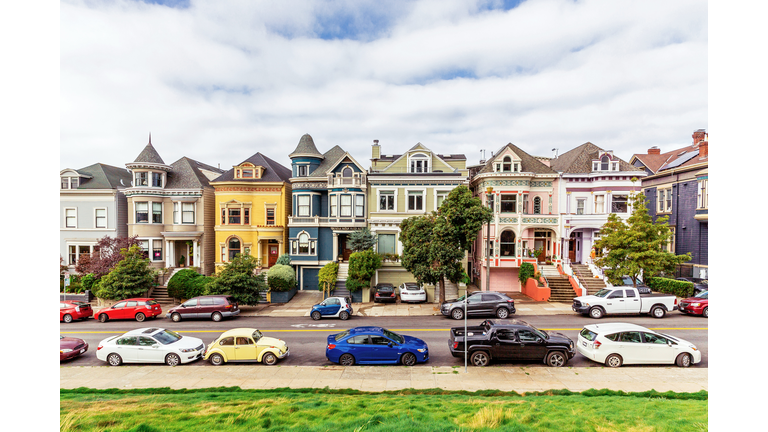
(150, 345)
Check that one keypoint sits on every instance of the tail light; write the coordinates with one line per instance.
(596, 344)
(228, 307)
(675, 300)
(331, 346)
(455, 345)
(393, 294)
(349, 307)
(98, 347)
(510, 301)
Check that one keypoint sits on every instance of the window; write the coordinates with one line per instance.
(157, 250)
(702, 197)
(604, 163)
(303, 170)
(668, 200)
(507, 243)
(619, 204)
(246, 173)
(228, 341)
(187, 213)
(334, 205)
(70, 217)
(247, 216)
(669, 246)
(303, 244)
(509, 203)
(526, 336)
(243, 341)
(359, 205)
(346, 172)
(441, 196)
(358, 340)
(387, 200)
(507, 164)
(157, 180)
(537, 205)
(346, 206)
(615, 166)
(490, 200)
(525, 203)
(72, 255)
(144, 246)
(157, 212)
(234, 216)
(70, 182)
(141, 179)
(599, 204)
(415, 200)
(419, 163)
(142, 212)
(386, 243)
(234, 247)
(101, 218)
(654, 339)
(633, 337)
(270, 217)
(580, 206)
(303, 201)
(223, 216)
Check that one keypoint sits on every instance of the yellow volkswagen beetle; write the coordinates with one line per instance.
(245, 345)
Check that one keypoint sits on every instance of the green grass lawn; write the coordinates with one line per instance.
(306, 410)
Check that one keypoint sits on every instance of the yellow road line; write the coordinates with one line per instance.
(339, 329)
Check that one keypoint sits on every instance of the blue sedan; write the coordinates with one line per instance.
(375, 345)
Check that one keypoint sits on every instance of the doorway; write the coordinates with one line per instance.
(272, 255)
(344, 248)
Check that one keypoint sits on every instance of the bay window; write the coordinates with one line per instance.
(619, 204)
(141, 179)
(157, 212)
(333, 206)
(142, 212)
(359, 205)
(157, 180)
(599, 204)
(303, 201)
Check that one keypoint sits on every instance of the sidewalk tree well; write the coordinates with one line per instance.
(131, 277)
(105, 255)
(238, 279)
(435, 244)
(361, 240)
(362, 267)
(636, 247)
(327, 277)
(281, 277)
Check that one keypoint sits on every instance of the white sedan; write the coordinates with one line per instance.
(150, 345)
(412, 292)
(616, 344)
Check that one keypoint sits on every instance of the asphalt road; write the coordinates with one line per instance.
(306, 338)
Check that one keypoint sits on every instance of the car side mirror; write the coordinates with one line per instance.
(539, 340)
(322, 304)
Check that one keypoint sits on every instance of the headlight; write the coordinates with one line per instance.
(422, 350)
(66, 350)
(186, 350)
(695, 304)
(694, 348)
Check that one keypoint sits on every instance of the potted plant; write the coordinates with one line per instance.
(181, 261)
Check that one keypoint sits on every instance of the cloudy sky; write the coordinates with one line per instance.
(218, 81)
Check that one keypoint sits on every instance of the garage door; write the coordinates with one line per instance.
(309, 279)
(505, 280)
(394, 277)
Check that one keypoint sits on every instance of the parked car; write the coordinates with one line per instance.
(510, 340)
(70, 310)
(411, 292)
(641, 286)
(617, 344)
(150, 345)
(696, 305)
(70, 347)
(624, 300)
(133, 308)
(375, 345)
(332, 307)
(385, 292)
(699, 285)
(245, 345)
(213, 307)
(480, 303)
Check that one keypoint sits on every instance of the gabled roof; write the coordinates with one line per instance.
(104, 176)
(659, 162)
(306, 147)
(579, 160)
(185, 174)
(528, 163)
(331, 158)
(273, 171)
(392, 159)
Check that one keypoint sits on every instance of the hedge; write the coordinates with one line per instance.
(281, 277)
(682, 289)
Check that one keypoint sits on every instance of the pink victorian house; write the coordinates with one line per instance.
(523, 192)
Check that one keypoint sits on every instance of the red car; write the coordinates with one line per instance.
(698, 305)
(133, 308)
(70, 310)
(71, 347)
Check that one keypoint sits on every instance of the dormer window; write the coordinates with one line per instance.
(248, 171)
(70, 182)
(506, 166)
(604, 163)
(346, 172)
(302, 170)
(419, 163)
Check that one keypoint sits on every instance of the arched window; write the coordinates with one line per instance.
(419, 163)
(537, 205)
(234, 247)
(507, 165)
(346, 172)
(304, 243)
(604, 163)
(507, 243)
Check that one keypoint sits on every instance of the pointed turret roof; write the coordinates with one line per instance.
(149, 154)
(306, 147)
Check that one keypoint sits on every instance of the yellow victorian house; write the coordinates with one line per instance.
(253, 201)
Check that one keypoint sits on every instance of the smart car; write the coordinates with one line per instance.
(150, 345)
(245, 345)
(375, 345)
(332, 307)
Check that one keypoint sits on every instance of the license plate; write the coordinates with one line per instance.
(584, 344)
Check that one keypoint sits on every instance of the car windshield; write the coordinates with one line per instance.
(541, 333)
(256, 335)
(152, 302)
(166, 337)
(413, 287)
(603, 293)
(588, 334)
(392, 335)
(341, 335)
(385, 288)
(702, 295)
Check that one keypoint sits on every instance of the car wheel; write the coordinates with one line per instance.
(269, 359)
(457, 314)
(705, 314)
(176, 317)
(658, 312)
(344, 315)
(103, 317)
(683, 360)
(596, 312)
(315, 315)
(216, 317)
(613, 360)
(408, 359)
(502, 313)
(556, 359)
(480, 358)
(67, 318)
(172, 359)
(114, 359)
(216, 359)
(140, 317)
(346, 360)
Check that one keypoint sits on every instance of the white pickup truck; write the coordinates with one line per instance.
(624, 300)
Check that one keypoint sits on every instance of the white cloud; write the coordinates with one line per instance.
(218, 82)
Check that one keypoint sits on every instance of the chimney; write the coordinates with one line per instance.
(698, 136)
(375, 150)
(654, 150)
(704, 148)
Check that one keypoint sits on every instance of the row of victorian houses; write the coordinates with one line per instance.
(190, 214)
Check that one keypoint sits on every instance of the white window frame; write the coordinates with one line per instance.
(388, 193)
(302, 170)
(136, 178)
(136, 211)
(343, 207)
(152, 212)
(66, 217)
(599, 199)
(359, 204)
(583, 202)
(96, 218)
(437, 193)
(299, 205)
(151, 179)
(267, 208)
(625, 195)
(423, 193)
(333, 205)
(702, 198)
(418, 157)
(296, 245)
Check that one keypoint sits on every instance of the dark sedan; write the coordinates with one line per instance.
(385, 292)
(70, 347)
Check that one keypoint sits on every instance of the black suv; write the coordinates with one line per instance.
(480, 303)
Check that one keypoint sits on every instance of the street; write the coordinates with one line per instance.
(306, 338)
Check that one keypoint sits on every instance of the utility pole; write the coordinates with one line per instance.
(488, 191)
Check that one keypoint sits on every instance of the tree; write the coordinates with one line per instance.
(327, 277)
(131, 277)
(435, 244)
(105, 255)
(362, 267)
(637, 246)
(284, 259)
(181, 282)
(361, 240)
(239, 280)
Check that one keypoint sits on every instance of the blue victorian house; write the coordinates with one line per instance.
(328, 202)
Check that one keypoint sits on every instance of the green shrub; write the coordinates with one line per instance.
(87, 281)
(354, 284)
(281, 277)
(238, 279)
(284, 259)
(526, 271)
(362, 267)
(198, 286)
(682, 289)
(131, 277)
(327, 276)
(181, 283)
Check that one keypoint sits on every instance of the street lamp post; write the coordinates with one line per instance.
(488, 191)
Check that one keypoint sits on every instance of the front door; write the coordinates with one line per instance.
(540, 245)
(345, 251)
(272, 255)
(572, 248)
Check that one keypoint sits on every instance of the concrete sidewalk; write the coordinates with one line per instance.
(380, 378)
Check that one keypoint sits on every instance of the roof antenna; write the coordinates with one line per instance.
(555, 150)
(150, 137)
